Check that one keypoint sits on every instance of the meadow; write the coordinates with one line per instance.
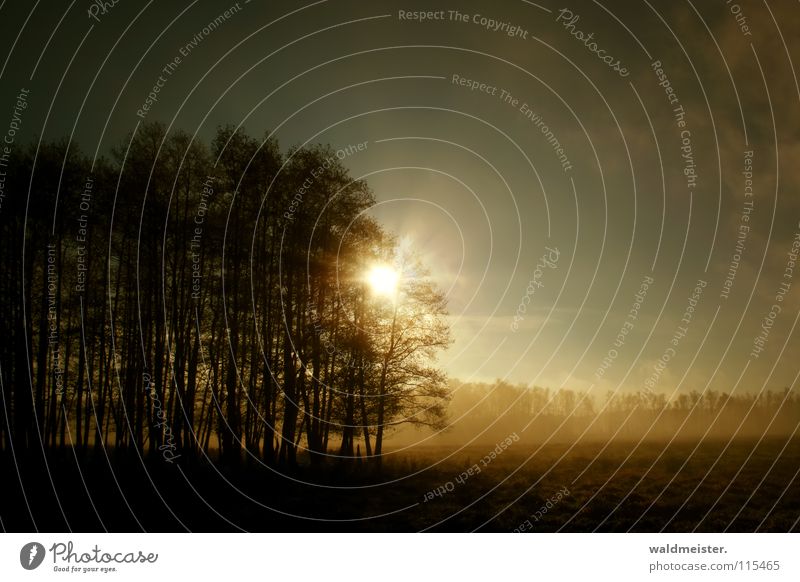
(740, 485)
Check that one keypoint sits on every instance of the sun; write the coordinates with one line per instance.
(383, 280)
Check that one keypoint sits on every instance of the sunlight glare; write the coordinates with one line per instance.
(383, 280)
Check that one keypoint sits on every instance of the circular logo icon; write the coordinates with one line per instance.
(31, 555)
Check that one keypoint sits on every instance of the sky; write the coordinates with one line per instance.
(607, 191)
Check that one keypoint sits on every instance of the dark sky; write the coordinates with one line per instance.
(590, 167)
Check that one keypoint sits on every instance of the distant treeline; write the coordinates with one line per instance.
(181, 297)
(492, 411)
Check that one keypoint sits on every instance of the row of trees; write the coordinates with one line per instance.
(181, 297)
(492, 411)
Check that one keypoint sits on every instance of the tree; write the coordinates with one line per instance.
(207, 298)
(408, 328)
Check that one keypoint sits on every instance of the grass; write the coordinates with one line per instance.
(618, 487)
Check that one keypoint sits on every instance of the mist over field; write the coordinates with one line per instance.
(479, 413)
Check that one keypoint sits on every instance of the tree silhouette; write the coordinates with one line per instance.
(181, 298)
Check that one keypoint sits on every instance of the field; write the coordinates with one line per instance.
(712, 487)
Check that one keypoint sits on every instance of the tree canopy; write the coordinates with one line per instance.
(180, 297)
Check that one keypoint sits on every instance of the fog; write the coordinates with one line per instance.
(481, 413)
